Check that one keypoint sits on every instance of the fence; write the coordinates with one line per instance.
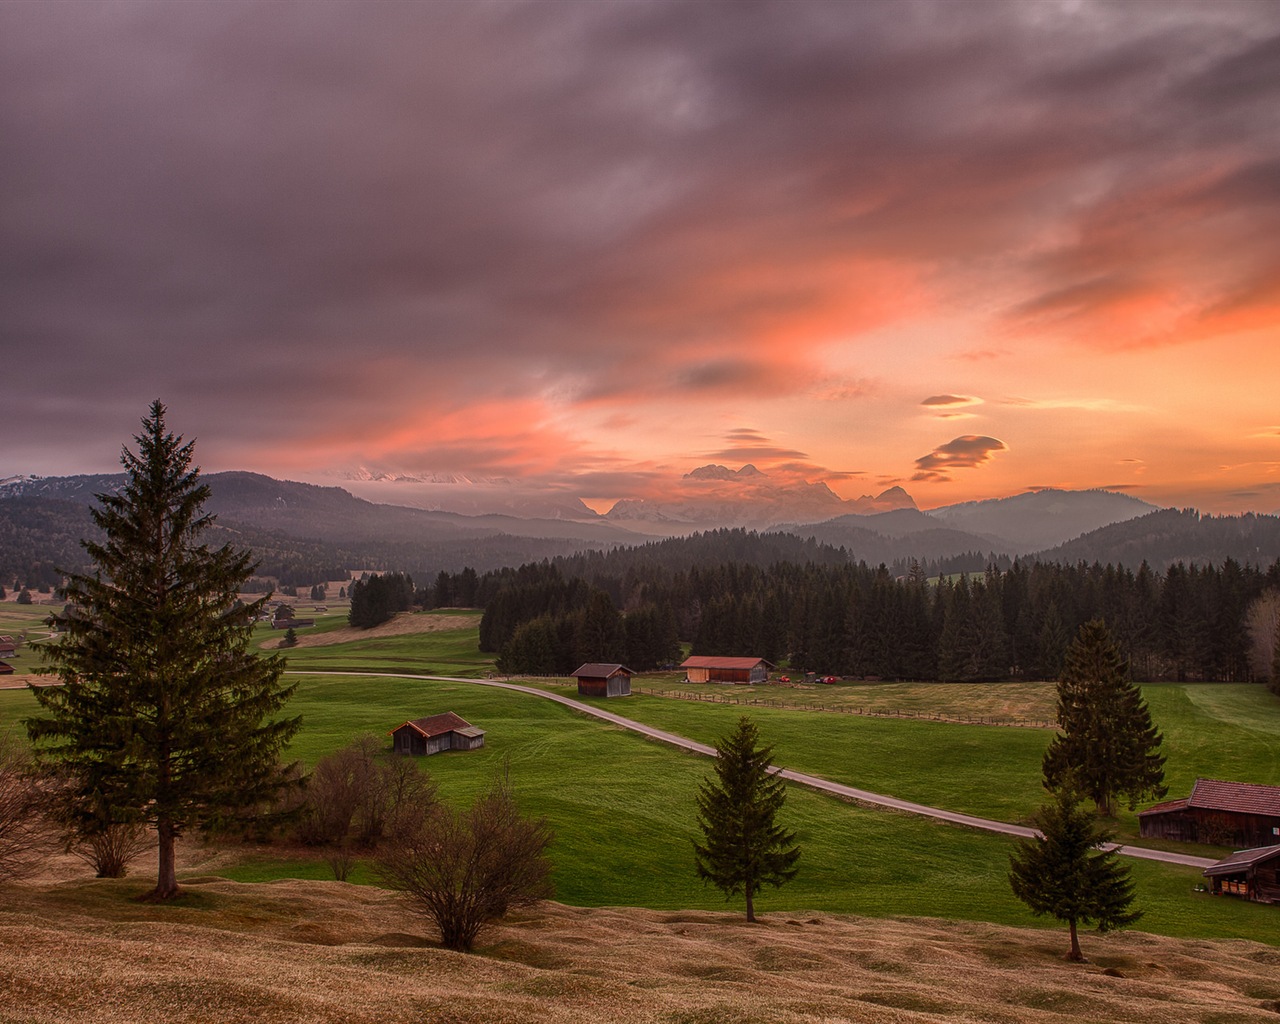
(847, 709)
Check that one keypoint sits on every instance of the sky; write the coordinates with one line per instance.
(583, 248)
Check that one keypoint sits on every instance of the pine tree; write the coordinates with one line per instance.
(1064, 872)
(744, 848)
(1274, 684)
(1107, 740)
(165, 715)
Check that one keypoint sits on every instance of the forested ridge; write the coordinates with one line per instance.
(725, 592)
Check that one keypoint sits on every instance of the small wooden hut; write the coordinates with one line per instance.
(1253, 874)
(599, 680)
(703, 669)
(1239, 814)
(448, 731)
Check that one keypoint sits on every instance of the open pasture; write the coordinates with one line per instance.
(622, 807)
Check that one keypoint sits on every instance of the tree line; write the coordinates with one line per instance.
(827, 615)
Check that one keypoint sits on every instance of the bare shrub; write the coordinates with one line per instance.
(464, 868)
(110, 851)
(28, 827)
(355, 799)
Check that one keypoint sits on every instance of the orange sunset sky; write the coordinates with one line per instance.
(582, 248)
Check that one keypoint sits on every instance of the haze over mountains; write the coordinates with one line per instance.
(297, 527)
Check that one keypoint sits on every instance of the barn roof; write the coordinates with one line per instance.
(702, 661)
(5, 668)
(438, 725)
(1242, 859)
(1217, 795)
(598, 670)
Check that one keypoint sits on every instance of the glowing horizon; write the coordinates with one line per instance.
(585, 249)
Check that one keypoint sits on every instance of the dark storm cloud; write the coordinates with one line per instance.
(253, 210)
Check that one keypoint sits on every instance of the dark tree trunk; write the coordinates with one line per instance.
(751, 906)
(167, 875)
(1075, 954)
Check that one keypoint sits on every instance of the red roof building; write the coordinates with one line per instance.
(431, 735)
(702, 669)
(1220, 813)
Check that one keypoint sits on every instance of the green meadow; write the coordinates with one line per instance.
(623, 807)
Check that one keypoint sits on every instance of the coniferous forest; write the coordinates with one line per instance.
(731, 592)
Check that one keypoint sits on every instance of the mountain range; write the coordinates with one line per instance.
(295, 528)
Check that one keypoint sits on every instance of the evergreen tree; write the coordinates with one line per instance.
(1274, 684)
(744, 848)
(1107, 742)
(1064, 873)
(165, 715)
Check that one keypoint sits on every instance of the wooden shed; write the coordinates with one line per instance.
(599, 680)
(700, 669)
(448, 731)
(5, 669)
(1253, 874)
(1239, 814)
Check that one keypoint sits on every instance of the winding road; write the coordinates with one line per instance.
(801, 778)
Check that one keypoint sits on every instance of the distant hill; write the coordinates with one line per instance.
(1041, 519)
(1169, 535)
(304, 532)
(896, 537)
(301, 532)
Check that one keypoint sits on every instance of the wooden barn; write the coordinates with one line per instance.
(1253, 874)
(5, 669)
(597, 680)
(1239, 814)
(431, 735)
(699, 669)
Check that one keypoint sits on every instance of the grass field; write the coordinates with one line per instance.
(622, 807)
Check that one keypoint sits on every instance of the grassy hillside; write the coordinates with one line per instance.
(622, 807)
(337, 954)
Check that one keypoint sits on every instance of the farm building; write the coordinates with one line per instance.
(1253, 874)
(1239, 814)
(699, 669)
(439, 732)
(8, 650)
(596, 680)
(5, 669)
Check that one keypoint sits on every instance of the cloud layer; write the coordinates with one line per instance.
(580, 244)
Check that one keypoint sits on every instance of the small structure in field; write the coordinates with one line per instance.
(598, 680)
(700, 669)
(1240, 814)
(431, 735)
(1253, 874)
(8, 650)
(5, 669)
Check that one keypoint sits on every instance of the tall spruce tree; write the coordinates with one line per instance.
(1065, 874)
(165, 715)
(744, 847)
(1107, 740)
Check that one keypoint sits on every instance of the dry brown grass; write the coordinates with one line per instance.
(80, 950)
(403, 624)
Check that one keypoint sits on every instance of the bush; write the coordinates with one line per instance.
(356, 799)
(464, 869)
(28, 825)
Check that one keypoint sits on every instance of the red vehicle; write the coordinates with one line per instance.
(829, 679)
(784, 679)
